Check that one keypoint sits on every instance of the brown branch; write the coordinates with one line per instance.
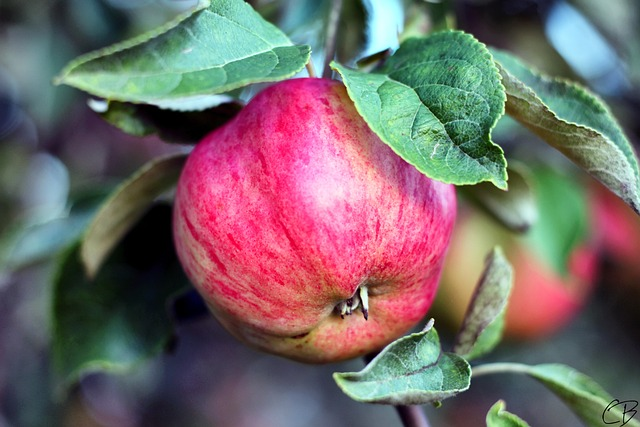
(332, 33)
(412, 416)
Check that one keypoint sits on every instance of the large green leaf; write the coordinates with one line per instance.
(435, 102)
(120, 317)
(125, 207)
(411, 370)
(482, 327)
(220, 46)
(575, 122)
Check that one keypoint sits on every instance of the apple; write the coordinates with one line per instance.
(542, 300)
(294, 215)
(618, 234)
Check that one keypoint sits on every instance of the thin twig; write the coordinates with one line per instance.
(412, 416)
(332, 33)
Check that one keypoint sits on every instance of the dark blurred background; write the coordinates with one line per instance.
(55, 153)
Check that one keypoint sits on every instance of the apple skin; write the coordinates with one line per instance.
(287, 210)
(542, 301)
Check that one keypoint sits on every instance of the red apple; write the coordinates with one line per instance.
(618, 234)
(294, 215)
(542, 300)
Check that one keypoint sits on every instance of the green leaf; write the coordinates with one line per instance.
(172, 126)
(584, 396)
(29, 243)
(40, 241)
(125, 207)
(435, 102)
(411, 370)
(515, 208)
(564, 222)
(482, 327)
(575, 122)
(120, 317)
(498, 416)
(220, 46)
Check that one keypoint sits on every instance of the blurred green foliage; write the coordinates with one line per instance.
(57, 157)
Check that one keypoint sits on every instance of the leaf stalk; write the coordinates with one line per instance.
(500, 368)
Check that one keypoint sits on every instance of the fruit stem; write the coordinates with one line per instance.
(332, 33)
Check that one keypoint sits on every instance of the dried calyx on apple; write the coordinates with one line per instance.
(295, 214)
(359, 300)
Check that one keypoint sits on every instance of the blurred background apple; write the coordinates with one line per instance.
(555, 261)
(618, 233)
